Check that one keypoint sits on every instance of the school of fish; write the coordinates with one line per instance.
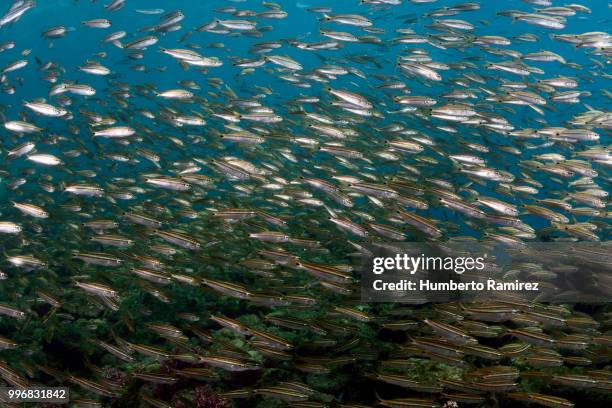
(161, 245)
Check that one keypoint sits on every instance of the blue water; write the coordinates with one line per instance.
(82, 43)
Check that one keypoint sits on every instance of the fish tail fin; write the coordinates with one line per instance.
(378, 396)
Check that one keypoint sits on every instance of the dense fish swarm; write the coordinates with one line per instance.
(186, 196)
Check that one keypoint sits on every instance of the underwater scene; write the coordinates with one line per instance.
(189, 192)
